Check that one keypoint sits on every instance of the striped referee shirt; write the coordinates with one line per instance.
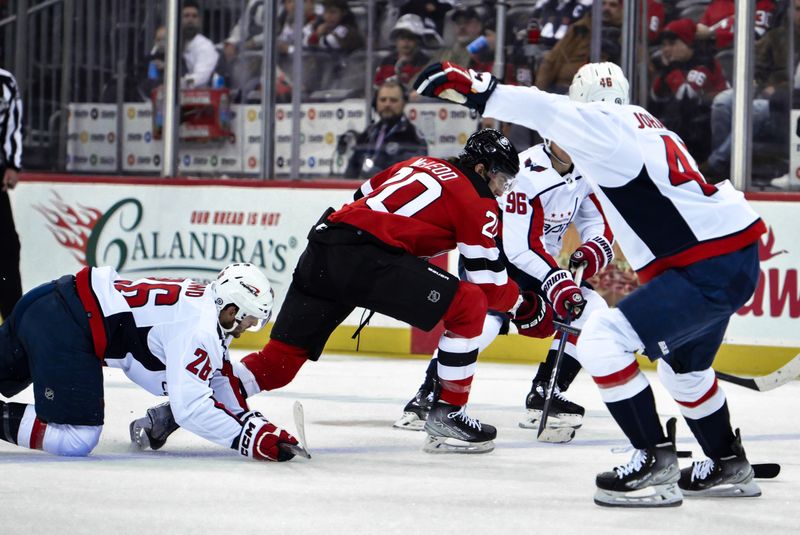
(10, 121)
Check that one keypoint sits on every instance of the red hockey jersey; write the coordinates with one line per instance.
(427, 206)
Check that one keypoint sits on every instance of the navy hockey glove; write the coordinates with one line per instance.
(564, 294)
(449, 81)
(594, 254)
(534, 317)
(260, 438)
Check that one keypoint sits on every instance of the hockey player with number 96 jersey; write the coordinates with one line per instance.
(169, 336)
(694, 246)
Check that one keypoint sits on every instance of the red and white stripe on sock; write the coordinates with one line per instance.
(31, 430)
(621, 384)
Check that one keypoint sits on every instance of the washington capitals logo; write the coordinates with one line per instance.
(250, 288)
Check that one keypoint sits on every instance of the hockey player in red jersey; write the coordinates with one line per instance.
(170, 336)
(694, 248)
(549, 195)
(371, 253)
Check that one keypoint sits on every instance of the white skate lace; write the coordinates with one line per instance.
(701, 469)
(461, 415)
(636, 463)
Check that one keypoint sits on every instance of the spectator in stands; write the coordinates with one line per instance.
(468, 27)
(390, 140)
(770, 112)
(408, 58)
(199, 54)
(683, 89)
(336, 30)
(432, 13)
(570, 53)
(554, 17)
(717, 21)
(155, 64)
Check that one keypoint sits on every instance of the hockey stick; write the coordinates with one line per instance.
(299, 422)
(779, 377)
(760, 470)
(566, 330)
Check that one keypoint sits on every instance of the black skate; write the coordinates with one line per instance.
(416, 411)
(725, 477)
(450, 430)
(650, 479)
(565, 416)
(153, 430)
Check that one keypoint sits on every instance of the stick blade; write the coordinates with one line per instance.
(300, 425)
(766, 470)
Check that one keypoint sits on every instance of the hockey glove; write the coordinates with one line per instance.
(595, 254)
(534, 317)
(564, 294)
(449, 81)
(260, 438)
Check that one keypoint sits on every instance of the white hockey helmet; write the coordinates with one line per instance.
(600, 82)
(246, 287)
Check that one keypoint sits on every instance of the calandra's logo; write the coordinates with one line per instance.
(121, 237)
(777, 287)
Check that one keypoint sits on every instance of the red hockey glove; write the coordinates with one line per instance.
(564, 294)
(449, 81)
(259, 439)
(595, 254)
(534, 317)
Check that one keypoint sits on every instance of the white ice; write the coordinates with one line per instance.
(367, 478)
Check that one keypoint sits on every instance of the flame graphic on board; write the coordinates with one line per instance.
(71, 226)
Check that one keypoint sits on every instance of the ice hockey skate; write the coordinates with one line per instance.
(153, 430)
(450, 430)
(564, 414)
(416, 411)
(730, 476)
(650, 479)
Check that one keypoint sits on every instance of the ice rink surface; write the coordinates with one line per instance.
(367, 478)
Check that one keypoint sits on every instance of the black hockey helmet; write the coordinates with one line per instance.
(493, 150)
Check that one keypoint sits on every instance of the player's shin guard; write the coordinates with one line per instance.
(272, 367)
(58, 439)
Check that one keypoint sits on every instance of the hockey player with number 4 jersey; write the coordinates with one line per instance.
(549, 195)
(694, 247)
(169, 336)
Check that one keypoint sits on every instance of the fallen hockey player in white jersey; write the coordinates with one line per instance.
(169, 336)
(694, 247)
(549, 195)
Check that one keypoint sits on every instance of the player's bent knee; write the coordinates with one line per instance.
(605, 345)
(467, 311)
(687, 387)
(71, 440)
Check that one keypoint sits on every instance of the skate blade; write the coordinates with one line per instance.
(559, 435)
(668, 495)
(139, 439)
(296, 449)
(554, 421)
(453, 445)
(409, 422)
(731, 490)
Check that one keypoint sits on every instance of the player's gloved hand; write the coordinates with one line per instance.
(564, 294)
(260, 438)
(452, 82)
(154, 428)
(533, 316)
(594, 254)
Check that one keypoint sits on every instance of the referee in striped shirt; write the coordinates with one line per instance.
(10, 164)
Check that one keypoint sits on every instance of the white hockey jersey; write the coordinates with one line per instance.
(537, 212)
(659, 206)
(165, 335)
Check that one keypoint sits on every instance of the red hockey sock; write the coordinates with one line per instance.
(455, 392)
(275, 365)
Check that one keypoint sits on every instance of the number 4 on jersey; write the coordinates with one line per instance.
(680, 170)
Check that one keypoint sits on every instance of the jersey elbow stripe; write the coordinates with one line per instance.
(483, 264)
(487, 277)
(478, 251)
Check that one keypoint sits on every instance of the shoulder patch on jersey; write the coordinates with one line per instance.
(534, 167)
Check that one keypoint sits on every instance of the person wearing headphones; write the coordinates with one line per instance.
(390, 140)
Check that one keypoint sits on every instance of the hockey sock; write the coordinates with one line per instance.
(275, 365)
(638, 419)
(455, 372)
(566, 373)
(431, 375)
(714, 432)
(10, 416)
